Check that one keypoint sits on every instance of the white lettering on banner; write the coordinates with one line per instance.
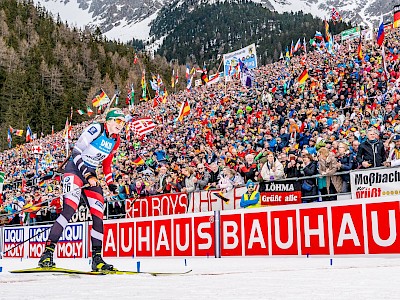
(382, 183)
(279, 187)
(16, 252)
(278, 240)
(110, 242)
(144, 239)
(204, 236)
(162, 238)
(124, 247)
(347, 222)
(13, 235)
(318, 231)
(69, 249)
(72, 233)
(159, 205)
(230, 234)
(178, 235)
(38, 235)
(36, 250)
(256, 235)
(156, 205)
(392, 228)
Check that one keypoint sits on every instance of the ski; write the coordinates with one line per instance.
(56, 270)
(120, 272)
(79, 272)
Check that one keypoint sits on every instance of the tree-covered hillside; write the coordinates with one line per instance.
(199, 31)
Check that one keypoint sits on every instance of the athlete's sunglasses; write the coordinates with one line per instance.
(119, 121)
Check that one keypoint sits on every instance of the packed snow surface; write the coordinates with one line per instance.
(223, 278)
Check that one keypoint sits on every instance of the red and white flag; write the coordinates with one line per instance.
(142, 126)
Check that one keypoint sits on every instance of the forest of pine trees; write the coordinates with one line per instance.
(210, 30)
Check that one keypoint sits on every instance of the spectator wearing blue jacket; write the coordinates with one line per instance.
(251, 198)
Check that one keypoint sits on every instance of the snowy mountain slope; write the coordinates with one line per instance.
(127, 19)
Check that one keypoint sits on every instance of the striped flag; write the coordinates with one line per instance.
(19, 132)
(297, 46)
(184, 110)
(138, 161)
(396, 16)
(303, 77)
(80, 112)
(100, 98)
(89, 111)
(359, 50)
(381, 33)
(213, 79)
(28, 134)
(142, 126)
(9, 137)
(2, 174)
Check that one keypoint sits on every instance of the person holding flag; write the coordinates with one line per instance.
(95, 147)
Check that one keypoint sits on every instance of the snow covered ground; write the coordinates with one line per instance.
(225, 278)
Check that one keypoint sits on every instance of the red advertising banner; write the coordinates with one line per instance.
(157, 205)
(353, 227)
(280, 198)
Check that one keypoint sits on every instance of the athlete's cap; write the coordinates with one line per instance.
(115, 113)
(396, 137)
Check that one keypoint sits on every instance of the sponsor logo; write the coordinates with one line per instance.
(92, 130)
(105, 144)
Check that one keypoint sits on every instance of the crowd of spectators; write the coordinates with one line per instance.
(344, 117)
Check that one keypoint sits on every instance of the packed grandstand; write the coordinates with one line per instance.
(343, 117)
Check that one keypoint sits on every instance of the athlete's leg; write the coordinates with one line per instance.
(72, 185)
(72, 192)
(94, 196)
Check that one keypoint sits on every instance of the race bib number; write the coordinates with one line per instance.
(68, 184)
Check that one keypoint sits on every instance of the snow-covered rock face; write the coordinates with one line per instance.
(127, 19)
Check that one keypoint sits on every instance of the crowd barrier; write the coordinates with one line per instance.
(357, 227)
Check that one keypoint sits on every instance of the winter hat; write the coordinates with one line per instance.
(249, 183)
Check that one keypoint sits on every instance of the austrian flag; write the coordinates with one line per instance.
(142, 126)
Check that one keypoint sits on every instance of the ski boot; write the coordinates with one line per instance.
(98, 264)
(46, 260)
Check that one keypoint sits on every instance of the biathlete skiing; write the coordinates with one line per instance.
(96, 146)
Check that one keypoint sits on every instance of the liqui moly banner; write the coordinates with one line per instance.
(13, 238)
(381, 183)
(157, 205)
(70, 245)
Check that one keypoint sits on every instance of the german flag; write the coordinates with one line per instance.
(138, 161)
(184, 110)
(303, 77)
(359, 50)
(100, 98)
(396, 16)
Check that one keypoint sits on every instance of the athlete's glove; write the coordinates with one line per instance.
(89, 176)
(113, 188)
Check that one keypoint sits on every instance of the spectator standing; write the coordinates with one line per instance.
(308, 187)
(371, 153)
(327, 166)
